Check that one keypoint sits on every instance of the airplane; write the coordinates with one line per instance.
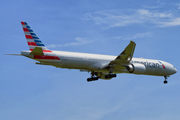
(100, 66)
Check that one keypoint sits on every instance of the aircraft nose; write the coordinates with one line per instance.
(171, 69)
(174, 70)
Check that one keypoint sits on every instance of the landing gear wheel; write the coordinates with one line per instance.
(110, 76)
(165, 82)
(89, 79)
(114, 75)
(92, 79)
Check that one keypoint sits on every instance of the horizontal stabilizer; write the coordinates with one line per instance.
(37, 51)
(14, 54)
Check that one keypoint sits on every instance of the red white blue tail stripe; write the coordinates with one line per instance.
(32, 39)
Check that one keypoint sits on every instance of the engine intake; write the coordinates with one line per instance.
(136, 68)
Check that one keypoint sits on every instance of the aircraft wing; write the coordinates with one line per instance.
(124, 58)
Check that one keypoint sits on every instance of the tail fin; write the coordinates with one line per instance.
(32, 39)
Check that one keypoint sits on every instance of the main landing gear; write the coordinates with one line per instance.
(105, 76)
(165, 81)
(92, 78)
(110, 76)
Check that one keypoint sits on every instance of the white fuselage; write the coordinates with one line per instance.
(94, 62)
(100, 66)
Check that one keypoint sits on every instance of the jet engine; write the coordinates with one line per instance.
(136, 68)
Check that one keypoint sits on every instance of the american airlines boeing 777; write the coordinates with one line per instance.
(101, 66)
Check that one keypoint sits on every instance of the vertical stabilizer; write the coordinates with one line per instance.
(32, 39)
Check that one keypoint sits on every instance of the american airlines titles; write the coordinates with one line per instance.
(148, 64)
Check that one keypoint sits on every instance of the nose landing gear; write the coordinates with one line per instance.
(165, 81)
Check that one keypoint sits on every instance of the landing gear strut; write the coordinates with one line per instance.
(92, 78)
(165, 81)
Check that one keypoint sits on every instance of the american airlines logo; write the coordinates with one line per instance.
(162, 65)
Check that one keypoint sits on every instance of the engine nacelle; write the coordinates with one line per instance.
(102, 75)
(136, 68)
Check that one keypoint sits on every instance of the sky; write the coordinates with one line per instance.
(34, 92)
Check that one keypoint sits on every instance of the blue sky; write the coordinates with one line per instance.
(29, 91)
